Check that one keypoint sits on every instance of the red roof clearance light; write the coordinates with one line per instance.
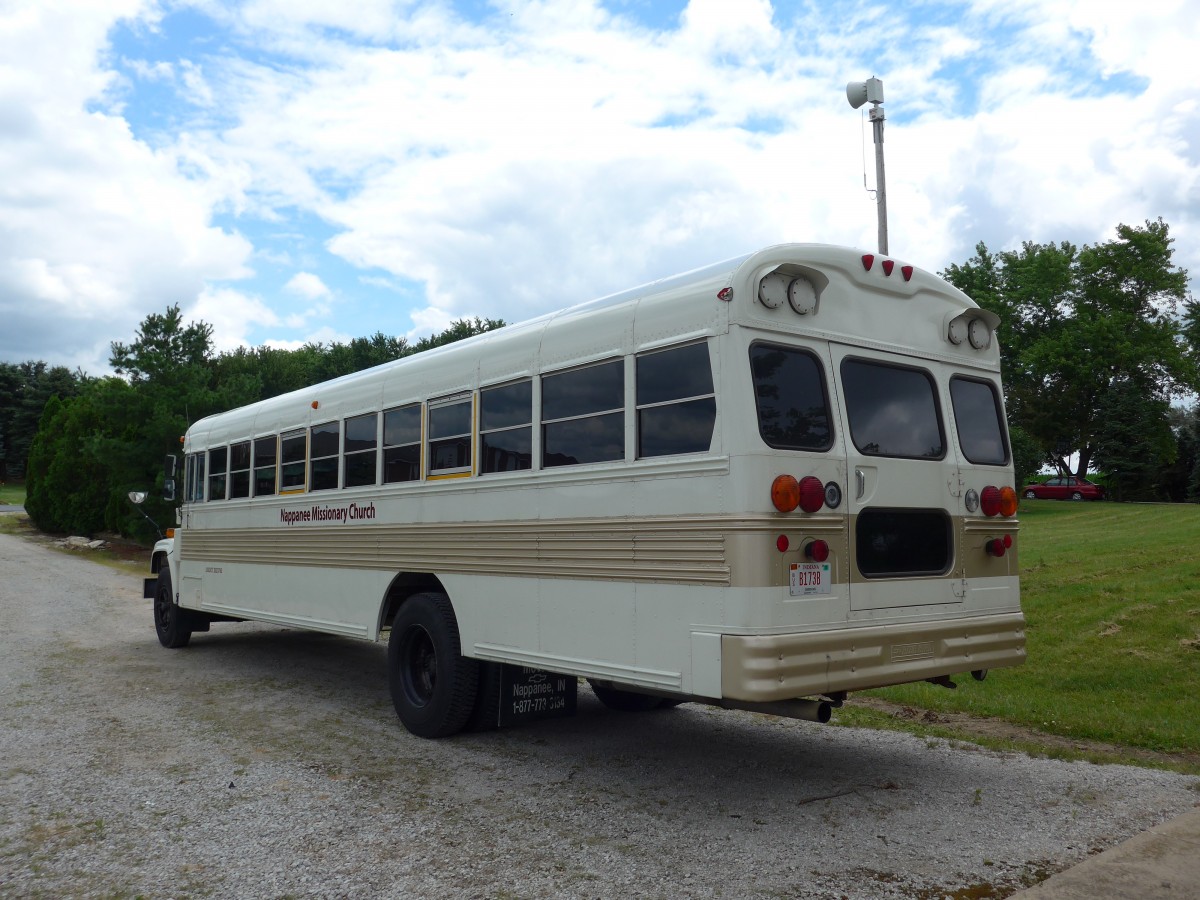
(868, 261)
(726, 294)
(906, 271)
(888, 265)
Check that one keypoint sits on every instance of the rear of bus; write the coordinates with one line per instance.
(873, 452)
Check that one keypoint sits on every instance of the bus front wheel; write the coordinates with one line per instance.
(433, 685)
(172, 623)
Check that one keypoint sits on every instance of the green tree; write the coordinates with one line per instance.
(1082, 329)
(24, 390)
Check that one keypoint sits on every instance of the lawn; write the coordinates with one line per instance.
(1111, 594)
(12, 494)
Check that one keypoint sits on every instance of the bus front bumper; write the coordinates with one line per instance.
(762, 668)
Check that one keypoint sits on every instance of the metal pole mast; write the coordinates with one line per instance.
(858, 93)
(876, 116)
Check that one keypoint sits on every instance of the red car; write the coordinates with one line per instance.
(1064, 487)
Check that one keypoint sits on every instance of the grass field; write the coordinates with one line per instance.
(12, 494)
(1111, 594)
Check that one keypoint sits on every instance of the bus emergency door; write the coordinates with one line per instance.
(902, 472)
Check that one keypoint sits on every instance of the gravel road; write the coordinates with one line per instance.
(266, 762)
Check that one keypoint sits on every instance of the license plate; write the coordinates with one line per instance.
(807, 579)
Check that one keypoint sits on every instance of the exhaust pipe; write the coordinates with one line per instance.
(809, 710)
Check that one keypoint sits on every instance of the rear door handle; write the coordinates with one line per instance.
(860, 483)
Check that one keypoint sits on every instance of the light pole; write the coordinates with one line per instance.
(858, 93)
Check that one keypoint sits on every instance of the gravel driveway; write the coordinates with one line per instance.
(266, 762)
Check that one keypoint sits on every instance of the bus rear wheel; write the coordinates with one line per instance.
(172, 623)
(625, 701)
(433, 685)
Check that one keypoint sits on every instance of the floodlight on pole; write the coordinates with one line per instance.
(858, 93)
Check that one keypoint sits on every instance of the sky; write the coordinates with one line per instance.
(294, 171)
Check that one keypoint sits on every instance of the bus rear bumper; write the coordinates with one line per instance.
(762, 668)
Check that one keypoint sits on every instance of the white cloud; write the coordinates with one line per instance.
(307, 285)
(96, 228)
(554, 152)
(232, 315)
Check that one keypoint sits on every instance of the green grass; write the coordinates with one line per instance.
(1111, 594)
(12, 494)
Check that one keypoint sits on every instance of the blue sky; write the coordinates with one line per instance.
(302, 170)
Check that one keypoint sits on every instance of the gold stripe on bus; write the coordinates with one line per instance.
(725, 551)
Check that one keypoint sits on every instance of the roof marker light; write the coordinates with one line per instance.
(906, 271)
(725, 294)
(888, 265)
(868, 261)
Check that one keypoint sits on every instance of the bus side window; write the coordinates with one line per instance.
(326, 445)
(676, 406)
(790, 397)
(402, 444)
(218, 472)
(193, 479)
(361, 451)
(506, 427)
(583, 415)
(239, 470)
(450, 436)
(292, 462)
(266, 453)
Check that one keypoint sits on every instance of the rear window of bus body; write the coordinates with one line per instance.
(978, 420)
(790, 397)
(893, 410)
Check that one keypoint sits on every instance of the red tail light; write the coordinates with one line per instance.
(817, 551)
(989, 500)
(998, 546)
(812, 494)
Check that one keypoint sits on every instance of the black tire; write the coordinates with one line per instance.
(1077, 496)
(485, 715)
(624, 701)
(433, 685)
(174, 625)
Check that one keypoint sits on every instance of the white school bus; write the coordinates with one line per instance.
(762, 484)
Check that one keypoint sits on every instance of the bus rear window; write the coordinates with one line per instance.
(893, 410)
(899, 542)
(980, 425)
(789, 393)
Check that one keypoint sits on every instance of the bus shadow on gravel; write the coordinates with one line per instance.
(310, 680)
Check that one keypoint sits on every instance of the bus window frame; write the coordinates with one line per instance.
(302, 434)
(255, 467)
(526, 425)
(432, 406)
